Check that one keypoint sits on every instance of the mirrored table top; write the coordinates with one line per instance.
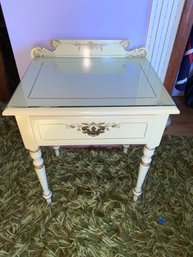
(90, 82)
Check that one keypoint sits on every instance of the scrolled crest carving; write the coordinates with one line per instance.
(55, 43)
(41, 52)
(125, 43)
(89, 48)
(137, 52)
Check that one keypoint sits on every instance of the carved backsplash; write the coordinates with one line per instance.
(89, 48)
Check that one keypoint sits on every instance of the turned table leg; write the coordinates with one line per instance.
(38, 162)
(143, 169)
(57, 150)
(125, 148)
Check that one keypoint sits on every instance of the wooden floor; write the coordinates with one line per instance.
(182, 124)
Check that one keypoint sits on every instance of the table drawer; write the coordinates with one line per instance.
(100, 130)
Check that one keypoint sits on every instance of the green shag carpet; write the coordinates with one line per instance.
(92, 214)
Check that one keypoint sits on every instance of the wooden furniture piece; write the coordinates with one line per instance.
(180, 43)
(87, 93)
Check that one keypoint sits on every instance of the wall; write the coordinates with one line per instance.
(35, 23)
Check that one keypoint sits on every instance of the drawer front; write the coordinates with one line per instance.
(100, 130)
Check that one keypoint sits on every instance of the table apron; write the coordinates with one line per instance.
(133, 129)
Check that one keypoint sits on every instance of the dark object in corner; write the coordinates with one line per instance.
(9, 77)
(188, 93)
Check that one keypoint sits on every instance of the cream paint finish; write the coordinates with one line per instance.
(54, 131)
(131, 107)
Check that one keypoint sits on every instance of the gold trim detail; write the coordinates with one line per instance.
(125, 43)
(91, 45)
(93, 129)
(55, 43)
(41, 52)
(137, 52)
(145, 164)
(39, 167)
(137, 193)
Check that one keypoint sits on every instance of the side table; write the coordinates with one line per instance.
(87, 92)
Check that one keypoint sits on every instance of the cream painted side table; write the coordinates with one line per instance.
(87, 93)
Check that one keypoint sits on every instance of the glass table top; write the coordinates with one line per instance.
(90, 82)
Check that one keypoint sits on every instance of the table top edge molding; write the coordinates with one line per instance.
(11, 111)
